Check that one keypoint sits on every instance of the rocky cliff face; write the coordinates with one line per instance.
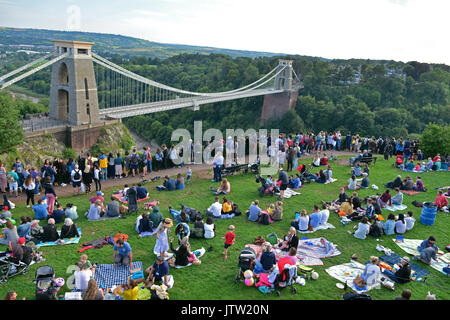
(114, 138)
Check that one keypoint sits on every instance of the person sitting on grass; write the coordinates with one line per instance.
(315, 217)
(403, 274)
(419, 185)
(365, 182)
(397, 183)
(362, 230)
(356, 201)
(113, 208)
(155, 216)
(69, 229)
(128, 291)
(57, 214)
(142, 192)
(400, 224)
(95, 211)
(302, 222)
(366, 169)
(277, 214)
(267, 259)
(428, 250)
(210, 228)
(347, 207)
(215, 210)
(224, 188)
(318, 177)
(295, 183)
(410, 220)
(40, 210)
(9, 233)
(324, 160)
(157, 272)
(227, 209)
(290, 240)
(179, 183)
(144, 226)
(325, 214)
(356, 171)
(385, 199)
(376, 227)
(397, 200)
(342, 196)
(441, 201)
(50, 231)
(371, 272)
(389, 225)
(71, 211)
(199, 228)
(352, 183)
(329, 174)
(24, 230)
(407, 184)
(406, 295)
(183, 254)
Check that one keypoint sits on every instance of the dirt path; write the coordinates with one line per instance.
(200, 169)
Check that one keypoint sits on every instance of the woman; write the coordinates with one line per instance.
(227, 209)
(210, 227)
(371, 272)
(225, 187)
(92, 291)
(316, 161)
(111, 166)
(24, 230)
(389, 226)
(179, 184)
(29, 186)
(9, 233)
(356, 201)
(126, 164)
(281, 157)
(71, 211)
(352, 183)
(182, 230)
(267, 259)
(87, 178)
(400, 224)
(95, 211)
(161, 233)
(118, 171)
(173, 156)
(385, 199)
(49, 193)
(98, 184)
(363, 229)
(302, 221)
(69, 229)
(3, 181)
(290, 240)
(277, 214)
(183, 255)
(398, 198)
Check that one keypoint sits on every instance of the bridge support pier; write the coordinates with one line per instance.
(276, 105)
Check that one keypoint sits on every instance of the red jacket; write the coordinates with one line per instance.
(441, 201)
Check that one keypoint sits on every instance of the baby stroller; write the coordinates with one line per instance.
(46, 287)
(254, 167)
(285, 279)
(246, 262)
(265, 188)
(304, 176)
(11, 264)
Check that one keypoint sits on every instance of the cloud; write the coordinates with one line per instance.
(149, 13)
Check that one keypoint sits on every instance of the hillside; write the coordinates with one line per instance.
(114, 44)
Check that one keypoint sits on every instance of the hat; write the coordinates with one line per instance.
(5, 208)
(406, 259)
(364, 173)
(159, 258)
(167, 222)
(21, 240)
(99, 193)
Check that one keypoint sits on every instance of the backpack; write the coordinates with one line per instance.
(11, 178)
(121, 236)
(134, 159)
(77, 175)
(264, 219)
(272, 238)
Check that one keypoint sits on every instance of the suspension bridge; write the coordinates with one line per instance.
(87, 89)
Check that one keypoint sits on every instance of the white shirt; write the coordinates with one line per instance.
(325, 214)
(173, 154)
(96, 171)
(409, 223)
(73, 175)
(30, 187)
(216, 209)
(219, 161)
(82, 278)
(209, 230)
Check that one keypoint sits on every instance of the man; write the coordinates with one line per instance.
(40, 210)
(215, 210)
(217, 167)
(403, 274)
(76, 176)
(428, 250)
(157, 272)
(169, 183)
(123, 254)
(348, 141)
(315, 218)
(165, 155)
(283, 177)
(18, 165)
(441, 201)
(142, 192)
(50, 232)
(58, 214)
(254, 211)
(112, 209)
(325, 214)
(365, 181)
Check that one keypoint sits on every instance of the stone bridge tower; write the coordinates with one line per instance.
(73, 90)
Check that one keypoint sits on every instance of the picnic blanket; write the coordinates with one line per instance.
(320, 227)
(410, 247)
(66, 241)
(288, 193)
(396, 207)
(410, 192)
(347, 272)
(107, 276)
(198, 253)
(312, 248)
(119, 197)
(331, 181)
(394, 258)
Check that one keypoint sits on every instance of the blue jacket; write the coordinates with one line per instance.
(40, 211)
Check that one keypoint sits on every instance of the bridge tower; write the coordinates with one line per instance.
(276, 105)
(73, 89)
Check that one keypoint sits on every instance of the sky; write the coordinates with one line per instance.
(402, 30)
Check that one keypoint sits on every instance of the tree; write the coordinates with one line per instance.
(11, 132)
(434, 140)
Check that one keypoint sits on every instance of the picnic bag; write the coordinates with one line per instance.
(272, 238)
(236, 210)
(264, 219)
(259, 240)
(305, 271)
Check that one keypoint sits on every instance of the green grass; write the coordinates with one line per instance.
(214, 278)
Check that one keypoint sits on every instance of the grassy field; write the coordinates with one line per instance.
(214, 278)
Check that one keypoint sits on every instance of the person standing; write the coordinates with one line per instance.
(118, 171)
(229, 240)
(98, 184)
(76, 176)
(165, 152)
(29, 187)
(103, 165)
(3, 181)
(283, 177)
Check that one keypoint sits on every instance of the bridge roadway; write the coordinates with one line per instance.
(145, 108)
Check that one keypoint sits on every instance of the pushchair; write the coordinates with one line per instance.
(304, 176)
(11, 264)
(265, 188)
(285, 279)
(254, 167)
(246, 262)
(46, 287)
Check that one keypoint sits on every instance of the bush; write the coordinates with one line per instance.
(434, 140)
(69, 153)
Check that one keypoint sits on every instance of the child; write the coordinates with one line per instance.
(271, 209)
(189, 174)
(209, 228)
(327, 245)
(409, 220)
(86, 263)
(229, 240)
